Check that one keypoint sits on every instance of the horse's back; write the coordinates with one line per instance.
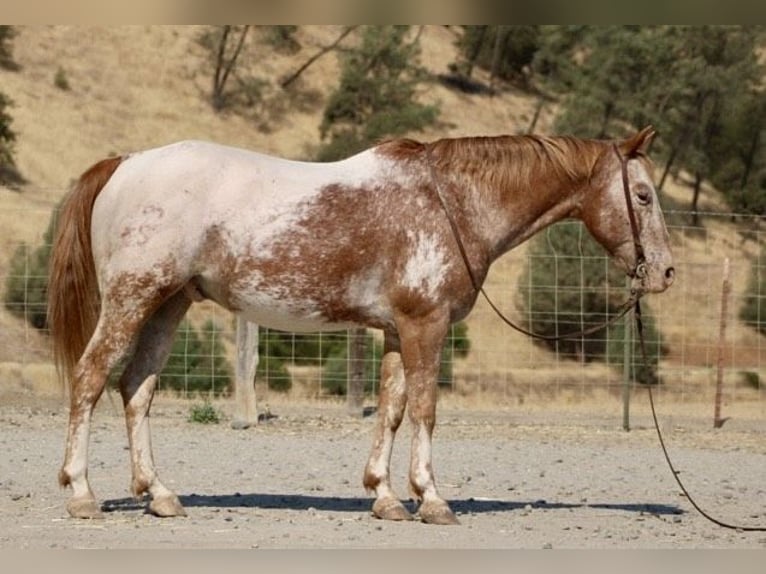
(286, 243)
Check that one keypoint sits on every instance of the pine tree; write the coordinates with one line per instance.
(9, 173)
(505, 51)
(376, 95)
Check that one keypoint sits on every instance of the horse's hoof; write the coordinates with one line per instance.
(390, 509)
(84, 508)
(166, 507)
(437, 512)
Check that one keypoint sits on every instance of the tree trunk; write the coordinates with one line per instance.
(496, 53)
(668, 165)
(476, 51)
(224, 67)
(749, 159)
(696, 196)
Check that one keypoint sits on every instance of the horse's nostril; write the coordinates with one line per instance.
(670, 274)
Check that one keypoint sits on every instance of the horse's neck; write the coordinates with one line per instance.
(529, 210)
(506, 211)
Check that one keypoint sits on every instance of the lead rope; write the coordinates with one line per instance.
(674, 472)
(632, 302)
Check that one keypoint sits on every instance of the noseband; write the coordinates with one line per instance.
(639, 271)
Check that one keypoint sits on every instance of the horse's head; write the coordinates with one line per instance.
(607, 214)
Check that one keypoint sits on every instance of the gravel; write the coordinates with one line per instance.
(516, 479)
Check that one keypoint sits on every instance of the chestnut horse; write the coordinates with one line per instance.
(367, 241)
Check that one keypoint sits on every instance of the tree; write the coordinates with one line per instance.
(609, 77)
(505, 51)
(282, 38)
(715, 71)
(224, 44)
(9, 174)
(7, 34)
(376, 95)
(701, 86)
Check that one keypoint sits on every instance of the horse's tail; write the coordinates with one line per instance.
(73, 298)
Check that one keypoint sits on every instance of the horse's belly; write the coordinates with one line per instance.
(276, 317)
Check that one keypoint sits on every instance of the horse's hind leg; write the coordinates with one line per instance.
(391, 404)
(110, 342)
(137, 386)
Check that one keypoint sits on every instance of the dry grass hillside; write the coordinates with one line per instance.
(135, 87)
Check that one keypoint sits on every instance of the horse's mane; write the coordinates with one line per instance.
(515, 158)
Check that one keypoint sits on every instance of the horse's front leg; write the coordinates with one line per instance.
(421, 342)
(392, 400)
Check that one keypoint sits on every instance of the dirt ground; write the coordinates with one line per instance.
(529, 478)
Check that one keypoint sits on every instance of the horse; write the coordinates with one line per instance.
(368, 241)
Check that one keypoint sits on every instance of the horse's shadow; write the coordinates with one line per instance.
(358, 504)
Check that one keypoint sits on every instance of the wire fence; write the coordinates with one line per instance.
(705, 333)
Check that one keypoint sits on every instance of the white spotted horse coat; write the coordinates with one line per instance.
(302, 246)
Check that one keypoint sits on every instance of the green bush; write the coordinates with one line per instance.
(26, 287)
(570, 286)
(204, 414)
(197, 363)
(335, 372)
(753, 310)
(277, 349)
(61, 81)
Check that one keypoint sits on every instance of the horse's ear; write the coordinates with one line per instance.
(639, 143)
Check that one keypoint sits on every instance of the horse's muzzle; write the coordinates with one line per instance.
(643, 281)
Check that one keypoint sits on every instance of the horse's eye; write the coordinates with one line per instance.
(643, 195)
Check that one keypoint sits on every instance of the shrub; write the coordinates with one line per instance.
(753, 311)
(570, 286)
(204, 414)
(26, 287)
(61, 81)
(335, 373)
(197, 363)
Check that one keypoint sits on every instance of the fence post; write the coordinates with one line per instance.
(245, 409)
(627, 361)
(726, 289)
(355, 384)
